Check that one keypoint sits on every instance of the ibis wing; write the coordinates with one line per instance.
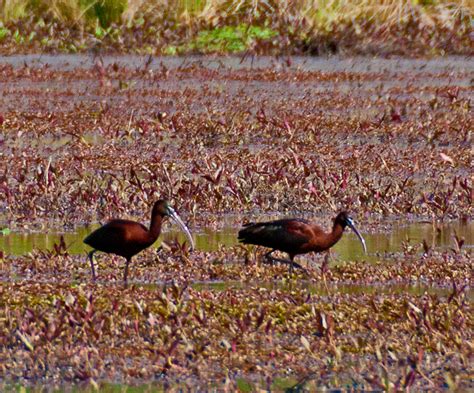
(285, 235)
(114, 235)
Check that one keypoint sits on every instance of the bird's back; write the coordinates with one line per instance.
(122, 237)
(284, 235)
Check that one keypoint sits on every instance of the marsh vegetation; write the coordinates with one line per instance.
(84, 139)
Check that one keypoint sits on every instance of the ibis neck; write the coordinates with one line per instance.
(335, 235)
(155, 226)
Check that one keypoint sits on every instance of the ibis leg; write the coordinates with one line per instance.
(91, 257)
(325, 264)
(291, 263)
(269, 258)
(125, 276)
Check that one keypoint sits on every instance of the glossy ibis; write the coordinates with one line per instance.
(296, 236)
(127, 238)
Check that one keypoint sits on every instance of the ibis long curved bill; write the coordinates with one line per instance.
(351, 224)
(172, 213)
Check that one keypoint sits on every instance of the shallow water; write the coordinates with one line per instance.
(306, 63)
(379, 245)
(322, 289)
(395, 77)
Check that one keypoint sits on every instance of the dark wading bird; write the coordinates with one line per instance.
(296, 236)
(127, 238)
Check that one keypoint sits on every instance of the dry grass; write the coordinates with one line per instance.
(316, 14)
(408, 27)
(12, 9)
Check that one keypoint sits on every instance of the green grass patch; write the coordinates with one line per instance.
(230, 39)
(4, 32)
(4, 231)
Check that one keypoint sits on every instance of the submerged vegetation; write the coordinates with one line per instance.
(263, 26)
(86, 139)
(182, 335)
(107, 140)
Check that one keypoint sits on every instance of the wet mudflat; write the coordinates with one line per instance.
(84, 139)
